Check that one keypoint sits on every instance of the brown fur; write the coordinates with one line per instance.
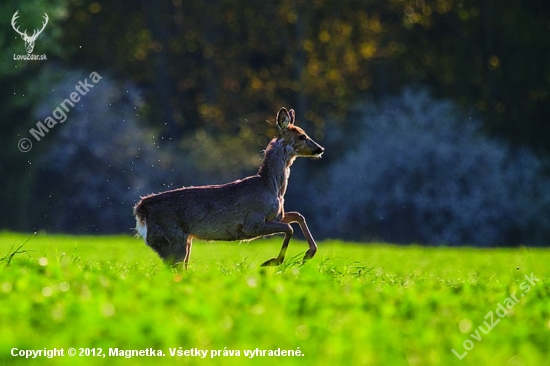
(241, 210)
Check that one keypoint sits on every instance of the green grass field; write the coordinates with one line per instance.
(353, 304)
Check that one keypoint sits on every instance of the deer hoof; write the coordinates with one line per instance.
(272, 262)
(309, 254)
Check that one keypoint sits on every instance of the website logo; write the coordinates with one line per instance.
(29, 40)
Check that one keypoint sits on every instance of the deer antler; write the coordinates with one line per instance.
(24, 34)
(15, 16)
(37, 32)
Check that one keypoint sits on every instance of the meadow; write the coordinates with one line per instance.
(353, 304)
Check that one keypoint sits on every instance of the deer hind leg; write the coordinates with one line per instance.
(189, 242)
(169, 246)
(291, 217)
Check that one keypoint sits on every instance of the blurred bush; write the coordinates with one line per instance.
(102, 159)
(419, 170)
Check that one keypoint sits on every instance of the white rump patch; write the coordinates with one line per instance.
(141, 228)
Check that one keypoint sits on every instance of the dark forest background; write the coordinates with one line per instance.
(434, 113)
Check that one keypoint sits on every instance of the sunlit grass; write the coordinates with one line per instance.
(352, 304)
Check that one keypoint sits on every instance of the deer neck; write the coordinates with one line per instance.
(275, 168)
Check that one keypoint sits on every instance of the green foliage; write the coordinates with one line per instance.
(352, 304)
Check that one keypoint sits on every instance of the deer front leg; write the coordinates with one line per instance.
(281, 257)
(291, 217)
(268, 228)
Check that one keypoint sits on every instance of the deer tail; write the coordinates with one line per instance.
(141, 225)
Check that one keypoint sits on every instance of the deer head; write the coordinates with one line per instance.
(29, 40)
(298, 143)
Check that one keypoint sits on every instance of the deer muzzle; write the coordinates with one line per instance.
(317, 152)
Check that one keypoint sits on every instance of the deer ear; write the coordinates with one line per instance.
(283, 118)
(292, 116)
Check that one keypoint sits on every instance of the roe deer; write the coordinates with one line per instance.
(241, 210)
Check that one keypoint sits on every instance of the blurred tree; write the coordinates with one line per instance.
(492, 55)
(209, 64)
(218, 53)
(220, 68)
(22, 87)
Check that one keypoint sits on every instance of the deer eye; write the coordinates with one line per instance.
(302, 137)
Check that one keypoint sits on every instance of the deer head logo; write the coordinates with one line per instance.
(29, 40)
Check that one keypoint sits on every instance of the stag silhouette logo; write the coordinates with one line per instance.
(29, 40)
